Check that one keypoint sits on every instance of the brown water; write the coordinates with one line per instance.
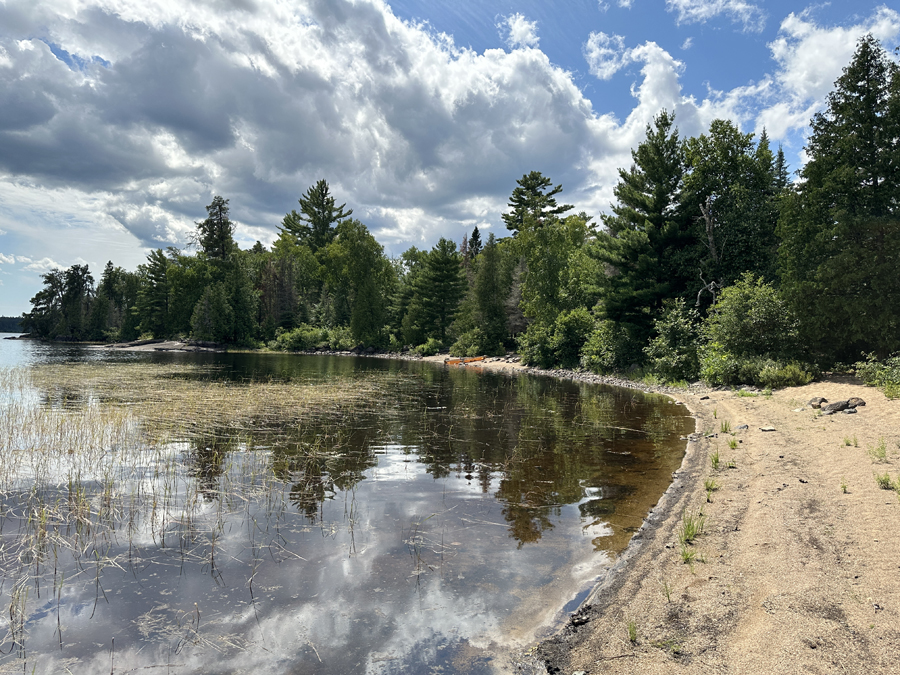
(437, 528)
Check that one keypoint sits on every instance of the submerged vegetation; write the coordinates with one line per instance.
(147, 482)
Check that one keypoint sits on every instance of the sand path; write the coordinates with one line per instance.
(801, 550)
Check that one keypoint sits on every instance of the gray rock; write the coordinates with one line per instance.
(837, 406)
(817, 402)
(850, 411)
(855, 402)
(767, 428)
(743, 426)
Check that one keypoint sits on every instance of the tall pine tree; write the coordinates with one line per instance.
(840, 231)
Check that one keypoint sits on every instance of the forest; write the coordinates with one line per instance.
(712, 263)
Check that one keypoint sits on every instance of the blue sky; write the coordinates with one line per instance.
(121, 119)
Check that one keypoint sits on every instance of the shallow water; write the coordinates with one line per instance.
(440, 523)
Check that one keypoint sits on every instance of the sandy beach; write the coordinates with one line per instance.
(798, 566)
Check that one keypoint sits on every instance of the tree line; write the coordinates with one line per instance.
(711, 263)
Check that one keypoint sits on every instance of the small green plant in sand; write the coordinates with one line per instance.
(725, 427)
(711, 486)
(715, 459)
(667, 590)
(885, 482)
(692, 524)
(746, 394)
(730, 464)
(632, 632)
(847, 441)
(878, 453)
(844, 487)
(715, 413)
(732, 443)
(855, 442)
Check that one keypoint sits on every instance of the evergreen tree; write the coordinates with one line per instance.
(840, 230)
(533, 201)
(153, 298)
(474, 244)
(728, 196)
(318, 217)
(438, 290)
(647, 244)
(490, 314)
(215, 234)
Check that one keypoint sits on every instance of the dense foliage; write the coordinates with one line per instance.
(710, 264)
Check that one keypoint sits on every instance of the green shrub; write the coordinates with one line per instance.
(340, 339)
(607, 349)
(303, 338)
(774, 375)
(882, 374)
(672, 354)
(750, 319)
(570, 332)
(476, 343)
(535, 346)
(431, 347)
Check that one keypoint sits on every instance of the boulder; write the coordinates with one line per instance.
(837, 406)
(855, 402)
(817, 402)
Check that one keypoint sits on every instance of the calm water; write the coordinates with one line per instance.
(436, 527)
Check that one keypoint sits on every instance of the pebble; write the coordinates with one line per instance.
(767, 428)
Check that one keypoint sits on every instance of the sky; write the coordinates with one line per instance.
(120, 120)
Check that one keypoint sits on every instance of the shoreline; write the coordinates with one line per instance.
(798, 565)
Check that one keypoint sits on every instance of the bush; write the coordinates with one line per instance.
(720, 367)
(672, 354)
(608, 349)
(340, 339)
(303, 338)
(431, 347)
(535, 346)
(475, 343)
(882, 374)
(750, 319)
(570, 332)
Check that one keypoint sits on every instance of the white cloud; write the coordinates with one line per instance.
(44, 265)
(7, 259)
(605, 54)
(809, 58)
(687, 44)
(700, 11)
(520, 32)
(626, 4)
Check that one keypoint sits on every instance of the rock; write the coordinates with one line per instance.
(855, 402)
(817, 402)
(837, 406)
(704, 398)
(767, 428)
(742, 426)
(850, 411)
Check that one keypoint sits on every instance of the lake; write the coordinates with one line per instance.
(243, 513)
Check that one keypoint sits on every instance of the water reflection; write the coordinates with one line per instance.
(432, 526)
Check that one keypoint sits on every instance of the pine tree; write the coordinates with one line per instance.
(318, 217)
(439, 289)
(840, 231)
(474, 243)
(215, 234)
(532, 201)
(646, 244)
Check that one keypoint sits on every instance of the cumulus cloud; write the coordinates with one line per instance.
(687, 44)
(605, 54)
(809, 58)
(44, 265)
(520, 32)
(750, 15)
(626, 4)
(7, 259)
(141, 113)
